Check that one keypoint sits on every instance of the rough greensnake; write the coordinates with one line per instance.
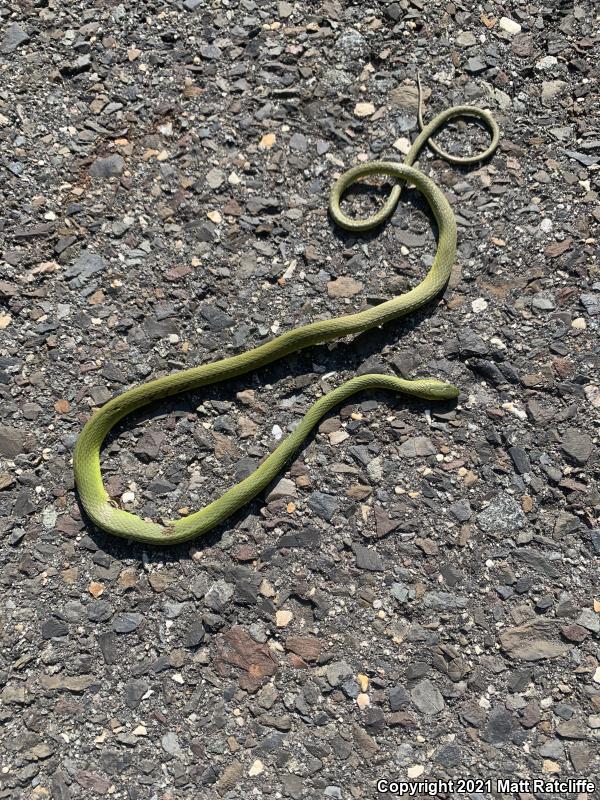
(105, 512)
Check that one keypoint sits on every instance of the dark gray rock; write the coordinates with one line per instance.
(324, 505)
(520, 459)
(367, 558)
(86, 265)
(128, 622)
(500, 727)
(134, 691)
(218, 595)
(502, 515)
(54, 628)
(338, 672)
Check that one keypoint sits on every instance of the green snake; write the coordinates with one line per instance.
(104, 511)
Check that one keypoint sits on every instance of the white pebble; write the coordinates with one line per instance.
(509, 25)
(277, 432)
(518, 412)
(256, 768)
(416, 771)
(402, 144)
(479, 305)
(128, 497)
(547, 62)
(546, 225)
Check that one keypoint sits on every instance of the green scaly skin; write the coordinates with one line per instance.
(105, 513)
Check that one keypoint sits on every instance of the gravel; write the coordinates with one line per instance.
(415, 596)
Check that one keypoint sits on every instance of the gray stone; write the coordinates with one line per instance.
(449, 755)
(284, 9)
(475, 65)
(552, 749)
(170, 744)
(551, 90)
(219, 595)
(520, 459)
(591, 302)
(298, 142)
(502, 515)
(500, 727)
(215, 178)
(324, 505)
(217, 319)
(466, 39)
(427, 698)
(544, 301)
(590, 620)
(418, 446)
(577, 446)
(211, 52)
(398, 697)
(444, 601)
(107, 167)
(540, 561)
(462, 510)
(338, 672)
(53, 628)
(134, 691)
(86, 265)
(367, 558)
(108, 647)
(283, 488)
(99, 611)
(193, 633)
(127, 623)
(400, 591)
(14, 36)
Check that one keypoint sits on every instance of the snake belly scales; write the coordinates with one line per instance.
(104, 511)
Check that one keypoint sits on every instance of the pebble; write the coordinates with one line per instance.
(509, 25)
(108, 167)
(577, 446)
(427, 698)
(502, 515)
(14, 36)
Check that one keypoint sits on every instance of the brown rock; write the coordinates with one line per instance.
(535, 640)
(365, 744)
(307, 647)
(159, 581)
(344, 287)
(574, 632)
(401, 718)
(238, 648)
(12, 441)
(558, 248)
(230, 776)
(70, 683)
(6, 481)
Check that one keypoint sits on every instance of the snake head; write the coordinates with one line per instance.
(440, 390)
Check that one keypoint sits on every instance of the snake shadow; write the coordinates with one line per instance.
(346, 355)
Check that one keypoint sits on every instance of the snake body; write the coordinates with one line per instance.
(104, 511)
